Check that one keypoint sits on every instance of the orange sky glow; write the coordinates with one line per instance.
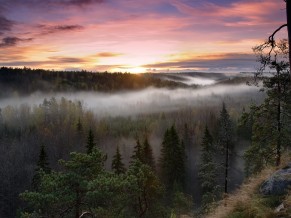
(135, 35)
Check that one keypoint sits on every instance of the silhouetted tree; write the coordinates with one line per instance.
(42, 167)
(90, 141)
(137, 152)
(172, 161)
(271, 131)
(117, 164)
(225, 141)
(273, 58)
(148, 157)
(207, 170)
(270, 44)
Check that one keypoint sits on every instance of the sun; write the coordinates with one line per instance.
(137, 70)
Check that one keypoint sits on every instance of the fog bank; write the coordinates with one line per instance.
(149, 100)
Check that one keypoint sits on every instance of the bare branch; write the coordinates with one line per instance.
(271, 37)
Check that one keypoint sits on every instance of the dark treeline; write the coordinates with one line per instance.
(16, 80)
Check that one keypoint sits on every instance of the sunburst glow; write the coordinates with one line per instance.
(133, 36)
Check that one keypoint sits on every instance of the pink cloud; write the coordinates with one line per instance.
(253, 12)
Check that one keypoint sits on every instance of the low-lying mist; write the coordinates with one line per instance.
(150, 100)
(199, 78)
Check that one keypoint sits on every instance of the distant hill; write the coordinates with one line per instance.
(23, 81)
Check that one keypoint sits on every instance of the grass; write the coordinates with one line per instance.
(256, 207)
(248, 203)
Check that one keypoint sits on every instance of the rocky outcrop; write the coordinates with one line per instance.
(278, 183)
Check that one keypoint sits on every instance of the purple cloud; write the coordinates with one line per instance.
(51, 2)
(12, 41)
(221, 62)
(81, 2)
(58, 28)
(5, 25)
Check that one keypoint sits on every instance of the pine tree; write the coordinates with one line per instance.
(65, 193)
(42, 167)
(207, 170)
(148, 157)
(225, 141)
(117, 164)
(137, 152)
(172, 160)
(43, 160)
(90, 142)
(270, 139)
(145, 191)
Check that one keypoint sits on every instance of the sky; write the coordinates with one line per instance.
(136, 35)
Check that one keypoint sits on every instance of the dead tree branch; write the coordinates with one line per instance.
(271, 37)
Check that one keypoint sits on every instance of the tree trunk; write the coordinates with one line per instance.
(288, 11)
(278, 160)
(226, 168)
(278, 150)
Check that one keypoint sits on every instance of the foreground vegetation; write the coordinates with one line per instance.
(247, 202)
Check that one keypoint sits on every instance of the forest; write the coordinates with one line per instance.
(65, 157)
(14, 81)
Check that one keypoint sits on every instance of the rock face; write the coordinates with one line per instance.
(278, 182)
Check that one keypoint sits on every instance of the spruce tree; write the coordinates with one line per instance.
(117, 164)
(90, 142)
(43, 160)
(225, 141)
(172, 160)
(207, 170)
(148, 157)
(42, 167)
(137, 152)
